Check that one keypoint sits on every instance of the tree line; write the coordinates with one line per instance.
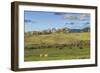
(72, 44)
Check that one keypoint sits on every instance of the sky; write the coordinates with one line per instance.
(40, 20)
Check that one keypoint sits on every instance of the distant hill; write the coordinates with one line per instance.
(75, 30)
(86, 29)
(61, 30)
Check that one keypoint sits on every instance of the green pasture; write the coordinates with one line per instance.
(46, 46)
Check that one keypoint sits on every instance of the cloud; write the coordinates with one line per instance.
(70, 23)
(29, 21)
(82, 16)
(87, 23)
(70, 17)
(74, 16)
(59, 13)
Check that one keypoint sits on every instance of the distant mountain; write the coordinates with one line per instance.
(53, 30)
(86, 29)
(75, 30)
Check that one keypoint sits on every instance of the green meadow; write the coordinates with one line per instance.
(56, 46)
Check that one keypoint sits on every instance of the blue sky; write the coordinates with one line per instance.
(39, 20)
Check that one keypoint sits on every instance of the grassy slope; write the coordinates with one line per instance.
(55, 53)
(56, 38)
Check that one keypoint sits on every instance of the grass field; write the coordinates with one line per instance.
(57, 46)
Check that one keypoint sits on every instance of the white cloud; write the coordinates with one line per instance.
(71, 17)
(76, 17)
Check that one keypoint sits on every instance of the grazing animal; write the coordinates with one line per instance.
(41, 55)
(46, 55)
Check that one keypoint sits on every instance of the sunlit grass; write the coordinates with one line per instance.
(65, 53)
